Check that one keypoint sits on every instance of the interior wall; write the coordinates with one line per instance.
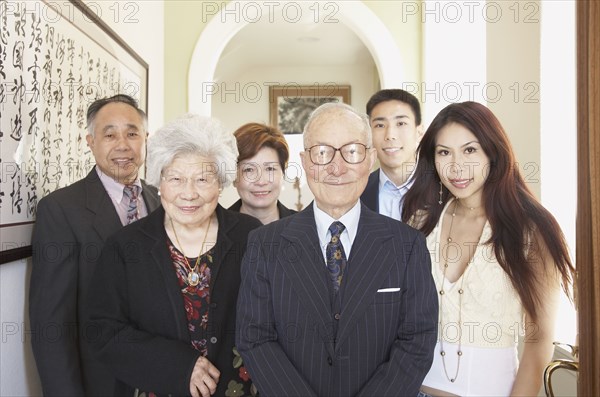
(251, 101)
(18, 374)
(185, 21)
(513, 65)
(403, 20)
(406, 34)
(142, 27)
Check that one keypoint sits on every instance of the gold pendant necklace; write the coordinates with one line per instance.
(442, 292)
(193, 278)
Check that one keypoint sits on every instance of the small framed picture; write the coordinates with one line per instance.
(291, 105)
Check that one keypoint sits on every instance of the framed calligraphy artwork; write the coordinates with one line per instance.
(56, 58)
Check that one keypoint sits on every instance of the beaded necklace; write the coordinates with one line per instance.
(193, 278)
(442, 293)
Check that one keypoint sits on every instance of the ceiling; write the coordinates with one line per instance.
(285, 43)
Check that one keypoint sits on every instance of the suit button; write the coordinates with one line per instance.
(329, 361)
(213, 305)
(336, 316)
(213, 340)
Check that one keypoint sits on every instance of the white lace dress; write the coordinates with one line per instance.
(492, 321)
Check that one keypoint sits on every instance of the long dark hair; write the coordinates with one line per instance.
(515, 215)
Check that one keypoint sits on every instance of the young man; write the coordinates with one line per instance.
(71, 227)
(395, 118)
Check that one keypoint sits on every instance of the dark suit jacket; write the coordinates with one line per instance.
(71, 227)
(138, 313)
(283, 210)
(286, 329)
(370, 196)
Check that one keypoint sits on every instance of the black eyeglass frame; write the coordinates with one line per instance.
(309, 150)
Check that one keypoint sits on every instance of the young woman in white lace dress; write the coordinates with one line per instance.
(498, 258)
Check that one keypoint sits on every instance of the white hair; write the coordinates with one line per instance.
(192, 134)
(339, 107)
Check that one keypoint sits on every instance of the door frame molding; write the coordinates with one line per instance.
(588, 199)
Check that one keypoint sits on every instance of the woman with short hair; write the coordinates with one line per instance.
(262, 160)
(163, 298)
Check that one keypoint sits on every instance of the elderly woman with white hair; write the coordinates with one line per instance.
(163, 297)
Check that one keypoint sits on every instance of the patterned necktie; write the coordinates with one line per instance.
(131, 191)
(336, 257)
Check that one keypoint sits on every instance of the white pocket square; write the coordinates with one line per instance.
(388, 290)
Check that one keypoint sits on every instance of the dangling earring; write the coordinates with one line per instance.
(159, 192)
(441, 192)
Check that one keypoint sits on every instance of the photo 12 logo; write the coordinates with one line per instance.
(471, 11)
(271, 11)
(492, 92)
(53, 11)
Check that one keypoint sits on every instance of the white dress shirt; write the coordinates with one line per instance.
(349, 220)
(391, 197)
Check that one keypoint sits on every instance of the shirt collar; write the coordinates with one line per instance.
(349, 219)
(114, 188)
(383, 179)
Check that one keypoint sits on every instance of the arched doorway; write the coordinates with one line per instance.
(219, 31)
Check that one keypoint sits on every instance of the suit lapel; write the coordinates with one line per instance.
(370, 196)
(150, 197)
(368, 266)
(162, 259)
(223, 243)
(302, 260)
(284, 211)
(106, 220)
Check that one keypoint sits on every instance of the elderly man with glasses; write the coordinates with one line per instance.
(337, 300)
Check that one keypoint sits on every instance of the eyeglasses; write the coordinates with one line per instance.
(178, 181)
(352, 153)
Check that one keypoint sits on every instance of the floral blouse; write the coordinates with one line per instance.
(196, 299)
(197, 302)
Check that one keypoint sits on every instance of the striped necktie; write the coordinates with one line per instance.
(131, 191)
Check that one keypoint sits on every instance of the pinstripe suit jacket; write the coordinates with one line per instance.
(382, 343)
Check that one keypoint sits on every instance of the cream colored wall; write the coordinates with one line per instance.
(252, 103)
(406, 30)
(513, 63)
(18, 373)
(17, 367)
(185, 21)
(141, 25)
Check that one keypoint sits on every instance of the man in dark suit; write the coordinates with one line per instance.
(337, 300)
(395, 117)
(71, 227)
